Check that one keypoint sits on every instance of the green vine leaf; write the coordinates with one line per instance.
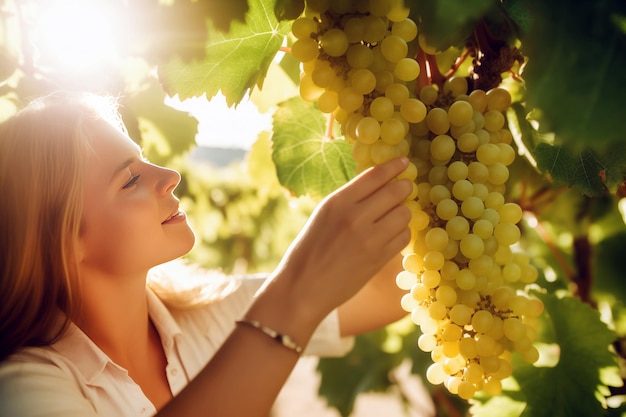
(442, 28)
(306, 161)
(584, 342)
(572, 74)
(235, 62)
(589, 172)
(365, 368)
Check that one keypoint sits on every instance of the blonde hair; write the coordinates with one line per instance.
(43, 149)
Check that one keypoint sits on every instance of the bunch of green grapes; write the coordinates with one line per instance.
(356, 65)
(464, 283)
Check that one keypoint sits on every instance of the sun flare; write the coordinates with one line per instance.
(74, 35)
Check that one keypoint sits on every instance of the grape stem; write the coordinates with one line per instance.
(582, 257)
(423, 79)
(330, 119)
(431, 75)
(457, 64)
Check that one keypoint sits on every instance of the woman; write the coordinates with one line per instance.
(84, 218)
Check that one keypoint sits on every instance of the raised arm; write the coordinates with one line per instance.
(376, 304)
(354, 233)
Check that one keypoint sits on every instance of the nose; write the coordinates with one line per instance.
(168, 180)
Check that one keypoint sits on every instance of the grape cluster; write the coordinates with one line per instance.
(355, 65)
(465, 284)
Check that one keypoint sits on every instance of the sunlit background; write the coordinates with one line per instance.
(87, 42)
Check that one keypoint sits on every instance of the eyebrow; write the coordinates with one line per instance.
(123, 166)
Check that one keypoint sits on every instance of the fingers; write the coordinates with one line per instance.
(384, 199)
(394, 224)
(372, 179)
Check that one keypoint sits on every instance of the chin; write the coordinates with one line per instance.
(188, 243)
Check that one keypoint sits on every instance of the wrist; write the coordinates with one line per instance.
(286, 307)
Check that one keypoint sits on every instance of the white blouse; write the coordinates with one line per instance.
(74, 378)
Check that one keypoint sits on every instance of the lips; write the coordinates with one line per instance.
(174, 217)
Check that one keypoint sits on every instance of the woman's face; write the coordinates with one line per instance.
(131, 219)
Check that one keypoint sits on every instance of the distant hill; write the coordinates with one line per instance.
(217, 157)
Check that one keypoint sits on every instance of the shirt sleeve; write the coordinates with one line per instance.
(56, 393)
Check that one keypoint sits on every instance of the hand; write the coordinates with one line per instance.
(350, 236)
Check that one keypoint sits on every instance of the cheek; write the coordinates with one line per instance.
(113, 233)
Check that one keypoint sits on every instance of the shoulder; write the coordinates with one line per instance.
(38, 379)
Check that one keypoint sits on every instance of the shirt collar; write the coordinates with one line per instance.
(163, 321)
(90, 360)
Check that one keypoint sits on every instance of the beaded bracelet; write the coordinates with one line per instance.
(283, 339)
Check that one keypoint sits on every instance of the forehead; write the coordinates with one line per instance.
(107, 141)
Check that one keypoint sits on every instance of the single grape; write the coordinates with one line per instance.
(368, 130)
(467, 347)
(507, 233)
(406, 29)
(472, 207)
(447, 295)
(350, 99)
(407, 69)
(446, 210)
(308, 90)
(405, 280)
(498, 99)
(460, 113)
(497, 173)
(430, 278)
(392, 131)
(436, 239)
(303, 27)
(305, 49)
(442, 147)
(413, 110)
(457, 226)
(465, 279)
(363, 80)
(437, 121)
(375, 29)
(381, 108)
(397, 93)
(488, 153)
(394, 48)
(514, 329)
(328, 101)
(427, 342)
(437, 310)
(457, 171)
(354, 30)
(463, 189)
(460, 314)
(494, 120)
(467, 142)
(359, 56)
(334, 42)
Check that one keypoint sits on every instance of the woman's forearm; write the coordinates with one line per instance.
(375, 305)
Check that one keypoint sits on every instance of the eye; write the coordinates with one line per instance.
(132, 182)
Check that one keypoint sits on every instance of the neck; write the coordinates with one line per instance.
(115, 315)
